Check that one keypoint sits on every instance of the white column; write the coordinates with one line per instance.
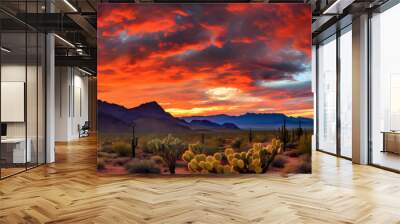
(360, 90)
(50, 99)
(314, 91)
(50, 92)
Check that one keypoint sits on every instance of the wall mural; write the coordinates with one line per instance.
(204, 88)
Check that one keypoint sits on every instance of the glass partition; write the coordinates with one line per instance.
(327, 97)
(31, 100)
(346, 92)
(22, 88)
(14, 155)
(41, 96)
(385, 89)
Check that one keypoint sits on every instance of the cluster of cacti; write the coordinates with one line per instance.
(255, 160)
(169, 148)
(200, 163)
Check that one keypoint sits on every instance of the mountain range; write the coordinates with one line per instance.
(152, 118)
(256, 121)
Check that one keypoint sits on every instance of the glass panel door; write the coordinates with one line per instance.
(346, 93)
(327, 95)
(385, 89)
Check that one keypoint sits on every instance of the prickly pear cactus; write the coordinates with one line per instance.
(255, 160)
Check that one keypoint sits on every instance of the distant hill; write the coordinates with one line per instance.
(152, 118)
(148, 118)
(256, 121)
(207, 125)
(109, 123)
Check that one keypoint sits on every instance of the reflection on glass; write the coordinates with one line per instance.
(41, 99)
(346, 94)
(14, 153)
(31, 101)
(327, 96)
(385, 84)
(22, 90)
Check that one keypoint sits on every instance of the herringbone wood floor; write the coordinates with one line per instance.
(70, 191)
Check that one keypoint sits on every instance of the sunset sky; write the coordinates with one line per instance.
(205, 59)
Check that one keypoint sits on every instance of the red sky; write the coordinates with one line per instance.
(204, 59)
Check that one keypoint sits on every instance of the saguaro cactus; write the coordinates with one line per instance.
(134, 142)
(284, 135)
(202, 138)
(250, 136)
(299, 131)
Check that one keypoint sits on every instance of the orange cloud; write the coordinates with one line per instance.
(205, 63)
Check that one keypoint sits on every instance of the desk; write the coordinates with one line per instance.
(391, 141)
(13, 150)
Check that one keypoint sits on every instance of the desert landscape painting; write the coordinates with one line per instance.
(204, 89)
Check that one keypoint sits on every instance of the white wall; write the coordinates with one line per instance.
(61, 103)
(12, 73)
(71, 102)
(16, 73)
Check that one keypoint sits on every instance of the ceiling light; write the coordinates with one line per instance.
(84, 71)
(5, 50)
(70, 5)
(65, 41)
(334, 5)
(337, 7)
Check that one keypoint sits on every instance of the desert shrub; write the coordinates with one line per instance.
(169, 148)
(122, 149)
(291, 145)
(237, 143)
(158, 160)
(279, 161)
(102, 154)
(204, 149)
(306, 157)
(218, 141)
(146, 148)
(304, 144)
(108, 160)
(293, 153)
(101, 165)
(304, 167)
(142, 166)
(120, 161)
(261, 138)
(107, 147)
(107, 155)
